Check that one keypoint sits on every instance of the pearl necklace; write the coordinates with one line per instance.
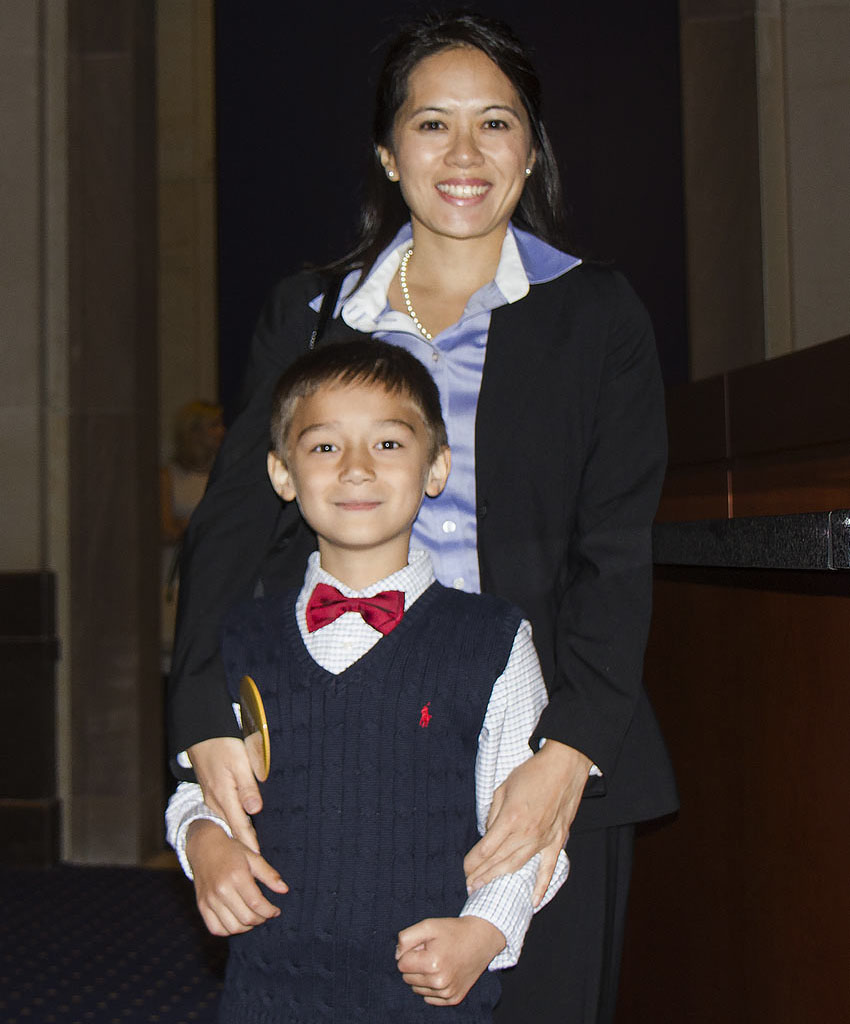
(402, 280)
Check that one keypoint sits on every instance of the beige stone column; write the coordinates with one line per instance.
(22, 288)
(188, 307)
(33, 491)
(816, 54)
(722, 185)
(112, 646)
(78, 398)
(766, 119)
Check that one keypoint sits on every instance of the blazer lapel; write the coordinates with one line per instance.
(520, 337)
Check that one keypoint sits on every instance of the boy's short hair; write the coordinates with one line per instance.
(357, 362)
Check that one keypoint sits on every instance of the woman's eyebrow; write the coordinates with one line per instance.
(501, 106)
(429, 110)
(482, 110)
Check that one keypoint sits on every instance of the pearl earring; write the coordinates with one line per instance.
(391, 175)
(527, 171)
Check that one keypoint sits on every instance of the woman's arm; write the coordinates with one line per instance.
(531, 812)
(600, 623)
(238, 521)
(171, 526)
(602, 619)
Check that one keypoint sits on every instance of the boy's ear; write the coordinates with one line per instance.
(280, 477)
(438, 474)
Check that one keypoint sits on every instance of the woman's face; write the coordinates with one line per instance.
(461, 146)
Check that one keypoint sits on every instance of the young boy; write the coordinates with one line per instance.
(395, 706)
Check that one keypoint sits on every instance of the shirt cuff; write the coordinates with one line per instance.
(593, 770)
(185, 806)
(506, 904)
(183, 758)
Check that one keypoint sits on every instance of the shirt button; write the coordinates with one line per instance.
(458, 583)
(449, 526)
(435, 356)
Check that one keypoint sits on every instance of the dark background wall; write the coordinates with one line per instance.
(294, 95)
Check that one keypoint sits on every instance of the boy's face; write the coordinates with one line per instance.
(357, 460)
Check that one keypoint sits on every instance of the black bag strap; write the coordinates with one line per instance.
(329, 300)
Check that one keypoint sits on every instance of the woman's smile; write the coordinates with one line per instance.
(463, 192)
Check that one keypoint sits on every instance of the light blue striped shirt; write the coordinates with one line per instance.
(447, 526)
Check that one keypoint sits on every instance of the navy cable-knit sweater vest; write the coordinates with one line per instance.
(369, 808)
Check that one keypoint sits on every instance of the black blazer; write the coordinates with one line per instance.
(570, 456)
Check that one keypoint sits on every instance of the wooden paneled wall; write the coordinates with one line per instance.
(768, 439)
(741, 905)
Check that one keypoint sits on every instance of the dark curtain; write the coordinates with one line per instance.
(294, 93)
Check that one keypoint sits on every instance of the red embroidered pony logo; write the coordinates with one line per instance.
(425, 716)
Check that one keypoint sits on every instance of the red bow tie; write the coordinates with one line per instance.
(383, 611)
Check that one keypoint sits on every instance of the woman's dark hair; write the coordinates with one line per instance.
(540, 208)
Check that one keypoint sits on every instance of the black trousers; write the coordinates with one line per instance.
(569, 970)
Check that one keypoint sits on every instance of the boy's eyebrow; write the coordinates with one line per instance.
(316, 426)
(334, 425)
(396, 423)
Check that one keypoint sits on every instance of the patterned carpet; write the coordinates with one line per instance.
(82, 945)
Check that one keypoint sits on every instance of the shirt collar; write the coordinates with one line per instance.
(414, 579)
(541, 262)
(525, 260)
(362, 309)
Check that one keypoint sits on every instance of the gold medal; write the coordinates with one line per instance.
(255, 728)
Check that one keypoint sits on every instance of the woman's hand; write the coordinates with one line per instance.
(531, 813)
(229, 786)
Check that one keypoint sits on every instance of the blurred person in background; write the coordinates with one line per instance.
(198, 433)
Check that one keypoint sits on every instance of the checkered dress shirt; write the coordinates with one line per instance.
(517, 698)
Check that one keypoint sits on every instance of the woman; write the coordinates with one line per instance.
(552, 397)
(198, 433)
